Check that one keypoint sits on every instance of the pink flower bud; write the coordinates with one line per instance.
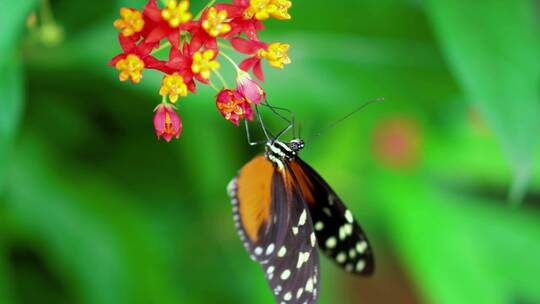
(167, 123)
(249, 88)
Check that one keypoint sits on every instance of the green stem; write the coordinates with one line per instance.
(223, 45)
(46, 12)
(220, 77)
(230, 60)
(213, 86)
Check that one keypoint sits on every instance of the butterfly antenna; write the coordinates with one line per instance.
(360, 108)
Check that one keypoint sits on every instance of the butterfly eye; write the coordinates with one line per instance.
(296, 144)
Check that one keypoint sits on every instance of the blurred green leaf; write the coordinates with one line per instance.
(102, 247)
(11, 87)
(11, 103)
(493, 49)
(435, 228)
(5, 290)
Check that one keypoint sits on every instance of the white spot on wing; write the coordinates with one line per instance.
(299, 292)
(360, 265)
(287, 296)
(341, 257)
(348, 216)
(270, 249)
(309, 285)
(361, 246)
(319, 226)
(282, 251)
(313, 239)
(302, 258)
(285, 274)
(303, 218)
(331, 242)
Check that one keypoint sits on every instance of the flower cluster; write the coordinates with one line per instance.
(194, 43)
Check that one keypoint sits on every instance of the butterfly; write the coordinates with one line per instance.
(285, 213)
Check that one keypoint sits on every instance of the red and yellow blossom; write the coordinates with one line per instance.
(180, 63)
(167, 22)
(212, 25)
(276, 53)
(264, 9)
(193, 50)
(176, 13)
(134, 59)
(173, 86)
(240, 22)
(167, 123)
(130, 67)
(130, 23)
(203, 64)
(233, 106)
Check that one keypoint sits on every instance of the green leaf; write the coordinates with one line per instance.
(461, 249)
(493, 47)
(5, 291)
(11, 93)
(93, 238)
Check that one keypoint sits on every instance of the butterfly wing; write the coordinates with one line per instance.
(339, 235)
(274, 222)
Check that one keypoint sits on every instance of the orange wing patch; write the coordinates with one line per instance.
(305, 184)
(254, 188)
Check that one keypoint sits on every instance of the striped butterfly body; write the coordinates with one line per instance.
(284, 212)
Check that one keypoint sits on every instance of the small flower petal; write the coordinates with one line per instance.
(249, 88)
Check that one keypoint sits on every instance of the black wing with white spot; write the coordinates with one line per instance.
(286, 247)
(339, 235)
(293, 272)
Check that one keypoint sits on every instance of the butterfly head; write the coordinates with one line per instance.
(296, 144)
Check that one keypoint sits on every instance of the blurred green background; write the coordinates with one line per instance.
(444, 175)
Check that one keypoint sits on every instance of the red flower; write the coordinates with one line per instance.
(134, 59)
(276, 53)
(233, 106)
(254, 49)
(167, 123)
(167, 22)
(249, 88)
(240, 22)
(180, 62)
(212, 24)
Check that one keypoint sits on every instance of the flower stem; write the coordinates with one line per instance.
(223, 45)
(220, 77)
(46, 13)
(213, 86)
(230, 60)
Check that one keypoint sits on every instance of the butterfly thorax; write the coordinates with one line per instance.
(279, 152)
